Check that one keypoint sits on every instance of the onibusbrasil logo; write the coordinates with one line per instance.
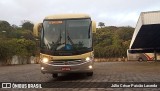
(21, 85)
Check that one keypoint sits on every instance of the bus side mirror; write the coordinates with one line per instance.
(93, 27)
(37, 29)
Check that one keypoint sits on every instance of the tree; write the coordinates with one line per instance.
(112, 41)
(15, 26)
(27, 25)
(4, 26)
(21, 47)
(7, 50)
(25, 49)
(16, 40)
(101, 24)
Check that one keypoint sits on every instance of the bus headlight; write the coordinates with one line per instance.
(88, 59)
(90, 67)
(45, 60)
(42, 68)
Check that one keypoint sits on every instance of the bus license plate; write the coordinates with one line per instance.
(66, 69)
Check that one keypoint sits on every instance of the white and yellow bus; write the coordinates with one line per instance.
(66, 44)
(140, 56)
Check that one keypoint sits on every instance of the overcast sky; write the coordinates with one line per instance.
(111, 12)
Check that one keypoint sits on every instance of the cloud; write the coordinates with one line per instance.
(111, 12)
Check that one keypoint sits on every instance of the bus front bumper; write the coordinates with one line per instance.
(78, 68)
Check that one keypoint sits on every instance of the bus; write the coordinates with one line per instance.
(66, 44)
(140, 56)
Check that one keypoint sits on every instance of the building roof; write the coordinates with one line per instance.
(147, 31)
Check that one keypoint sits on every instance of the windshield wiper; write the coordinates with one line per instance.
(57, 42)
(68, 37)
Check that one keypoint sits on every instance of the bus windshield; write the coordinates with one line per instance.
(67, 35)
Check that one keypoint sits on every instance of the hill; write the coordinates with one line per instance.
(111, 41)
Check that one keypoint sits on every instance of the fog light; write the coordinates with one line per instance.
(42, 68)
(90, 67)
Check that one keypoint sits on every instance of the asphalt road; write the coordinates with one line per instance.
(103, 72)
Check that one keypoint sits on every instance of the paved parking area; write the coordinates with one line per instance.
(104, 72)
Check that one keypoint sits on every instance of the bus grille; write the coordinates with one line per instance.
(73, 62)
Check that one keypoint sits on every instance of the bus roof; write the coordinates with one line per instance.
(67, 16)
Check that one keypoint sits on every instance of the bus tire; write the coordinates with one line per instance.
(90, 74)
(54, 75)
(140, 59)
